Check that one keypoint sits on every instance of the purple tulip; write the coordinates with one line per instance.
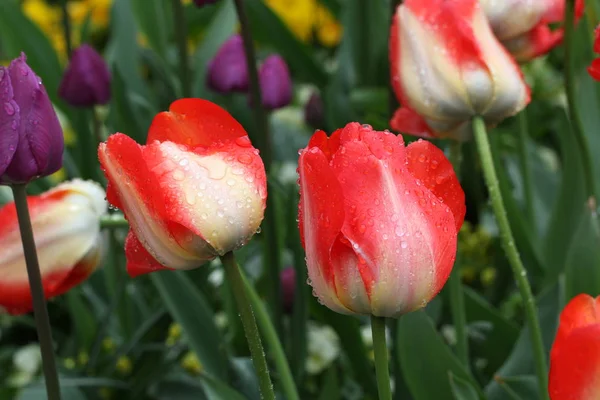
(228, 70)
(275, 83)
(288, 287)
(313, 111)
(202, 3)
(31, 139)
(86, 81)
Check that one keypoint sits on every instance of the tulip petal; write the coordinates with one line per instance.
(575, 366)
(406, 120)
(134, 188)
(594, 68)
(404, 234)
(582, 310)
(139, 261)
(428, 163)
(321, 217)
(195, 122)
(9, 121)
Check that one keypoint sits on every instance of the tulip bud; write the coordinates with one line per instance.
(523, 25)
(288, 287)
(202, 3)
(228, 70)
(378, 220)
(594, 68)
(195, 191)
(31, 139)
(448, 67)
(66, 227)
(575, 354)
(313, 111)
(86, 81)
(275, 83)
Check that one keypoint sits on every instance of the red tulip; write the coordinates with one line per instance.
(523, 26)
(195, 191)
(66, 226)
(594, 68)
(575, 354)
(448, 67)
(378, 220)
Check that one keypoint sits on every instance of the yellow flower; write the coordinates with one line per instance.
(124, 365)
(329, 31)
(99, 11)
(191, 363)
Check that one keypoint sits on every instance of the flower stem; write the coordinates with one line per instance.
(508, 242)
(257, 353)
(40, 313)
(381, 358)
(66, 22)
(457, 297)
(181, 37)
(113, 221)
(523, 134)
(574, 116)
(268, 329)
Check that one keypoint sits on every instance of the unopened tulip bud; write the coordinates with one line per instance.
(275, 83)
(86, 81)
(447, 67)
(66, 226)
(228, 70)
(288, 288)
(202, 3)
(31, 139)
(314, 111)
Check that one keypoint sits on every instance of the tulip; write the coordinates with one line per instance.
(523, 25)
(275, 83)
(195, 191)
(448, 67)
(288, 287)
(202, 3)
(594, 68)
(86, 81)
(314, 110)
(66, 225)
(228, 70)
(31, 139)
(378, 220)
(575, 354)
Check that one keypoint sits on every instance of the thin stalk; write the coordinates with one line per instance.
(257, 353)
(181, 37)
(66, 23)
(381, 358)
(40, 312)
(97, 126)
(268, 330)
(364, 44)
(523, 134)
(457, 297)
(392, 102)
(272, 255)
(512, 254)
(574, 116)
(113, 221)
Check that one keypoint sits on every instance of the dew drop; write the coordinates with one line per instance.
(243, 141)
(9, 109)
(403, 244)
(245, 158)
(230, 182)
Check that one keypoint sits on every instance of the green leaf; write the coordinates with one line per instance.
(18, 33)
(83, 319)
(331, 386)
(39, 392)
(427, 358)
(221, 27)
(124, 114)
(267, 28)
(190, 309)
(218, 390)
(582, 274)
(150, 16)
(461, 388)
(520, 387)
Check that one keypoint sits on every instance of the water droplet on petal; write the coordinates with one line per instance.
(403, 244)
(9, 109)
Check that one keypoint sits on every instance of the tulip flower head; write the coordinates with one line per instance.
(594, 68)
(202, 3)
(448, 67)
(31, 139)
(378, 220)
(522, 26)
(314, 110)
(66, 226)
(86, 81)
(575, 354)
(195, 191)
(228, 70)
(288, 287)
(275, 83)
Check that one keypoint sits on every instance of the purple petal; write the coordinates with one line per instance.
(86, 81)
(275, 83)
(228, 70)
(9, 121)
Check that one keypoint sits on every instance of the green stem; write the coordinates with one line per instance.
(574, 116)
(272, 340)
(381, 358)
(66, 22)
(181, 37)
(264, 137)
(257, 353)
(364, 43)
(40, 312)
(457, 297)
(508, 242)
(113, 221)
(97, 126)
(523, 135)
